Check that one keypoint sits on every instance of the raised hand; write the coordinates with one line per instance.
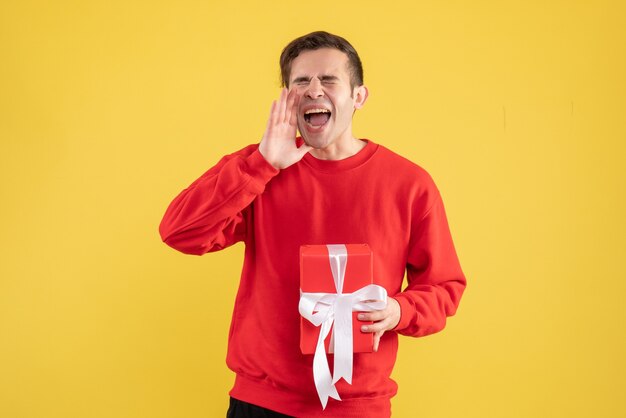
(278, 145)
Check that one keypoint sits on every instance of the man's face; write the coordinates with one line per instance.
(327, 102)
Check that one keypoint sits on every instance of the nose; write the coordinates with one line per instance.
(314, 89)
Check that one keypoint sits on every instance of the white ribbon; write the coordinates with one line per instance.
(322, 309)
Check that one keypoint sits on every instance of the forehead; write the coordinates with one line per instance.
(324, 61)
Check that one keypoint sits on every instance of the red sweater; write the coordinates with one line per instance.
(374, 197)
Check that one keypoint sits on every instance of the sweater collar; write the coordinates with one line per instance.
(349, 163)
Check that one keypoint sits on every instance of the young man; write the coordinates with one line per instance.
(325, 187)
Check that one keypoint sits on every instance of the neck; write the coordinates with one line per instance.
(339, 150)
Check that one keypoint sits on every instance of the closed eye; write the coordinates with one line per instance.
(325, 79)
(329, 79)
(302, 81)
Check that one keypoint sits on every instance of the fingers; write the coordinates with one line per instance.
(282, 105)
(383, 320)
(278, 110)
(271, 121)
(373, 316)
(382, 325)
(285, 109)
(293, 116)
(378, 333)
(377, 340)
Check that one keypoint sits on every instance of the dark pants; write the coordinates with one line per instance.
(241, 409)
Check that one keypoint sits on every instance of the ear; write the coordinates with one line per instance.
(360, 96)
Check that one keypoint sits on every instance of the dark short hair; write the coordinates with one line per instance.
(317, 40)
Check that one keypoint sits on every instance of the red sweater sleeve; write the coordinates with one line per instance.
(435, 279)
(209, 214)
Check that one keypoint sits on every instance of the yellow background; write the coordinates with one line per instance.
(109, 108)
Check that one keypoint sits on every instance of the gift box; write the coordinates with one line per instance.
(317, 276)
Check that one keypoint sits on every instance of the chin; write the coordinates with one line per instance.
(315, 143)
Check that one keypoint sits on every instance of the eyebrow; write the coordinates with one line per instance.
(322, 78)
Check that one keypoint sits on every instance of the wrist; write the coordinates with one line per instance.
(398, 301)
(274, 164)
(259, 168)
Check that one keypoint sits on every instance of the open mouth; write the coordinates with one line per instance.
(317, 117)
